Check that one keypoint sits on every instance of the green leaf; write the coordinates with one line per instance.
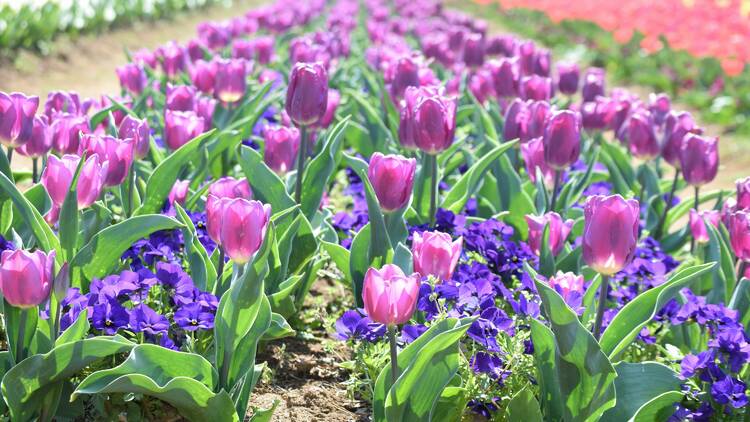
(102, 114)
(267, 186)
(184, 380)
(372, 115)
(339, 255)
(660, 408)
(27, 383)
(451, 404)
(69, 215)
(741, 301)
(279, 328)
(101, 255)
(282, 300)
(45, 238)
(164, 176)
(719, 284)
(626, 325)
(202, 270)
(546, 360)
(320, 169)
(524, 407)
(461, 191)
(546, 260)
(77, 331)
(637, 384)
(681, 210)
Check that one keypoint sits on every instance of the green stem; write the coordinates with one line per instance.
(34, 170)
(394, 353)
(604, 290)
(741, 267)
(555, 188)
(660, 225)
(696, 203)
(10, 155)
(301, 158)
(432, 162)
(19, 352)
(131, 189)
(220, 269)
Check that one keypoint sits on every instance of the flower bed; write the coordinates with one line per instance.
(495, 235)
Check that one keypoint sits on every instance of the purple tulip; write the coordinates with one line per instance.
(676, 128)
(481, 86)
(526, 56)
(229, 187)
(392, 178)
(435, 254)
(598, 115)
(474, 50)
(558, 231)
(698, 221)
(61, 102)
(568, 76)
(307, 93)
(536, 87)
(196, 50)
(243, 228)
(570, 286)
(610, 232)
(179, 192)
(434, 118)
(139, 132)
(281, 147)
(640, 136)
(406, 131)
(203, 75)
(539, 113)
(180, 98)
(542, 60)
(242, 49)
(173, 58)
(26, 278)
(699, 159)
(334, 98)
(593, 84)
(58, 175)
(743, 193)
(116, 156)
(41, 139)
(66, 132)
(16, 118)
(517, 120)
(132, 78)
(505, 76)
(231, 80)
(562, 139)
(739, 234)
(533, 157)
(263, 47)
(390, 296)
(180, 127)
(204, 108)
(659, 105)
(146, 57)
(403, 73)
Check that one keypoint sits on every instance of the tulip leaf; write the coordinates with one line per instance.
(279, 328)
(45, 238)
(25, 384)
(372, 115)
(426, 367)
(69, 217)
(320, 170)
(660, 408)
(339, 255)
(524, 407)
(637, 384)
(740, 301)
(267, 186)
(681, 210)
(165, 175)
(77, 331)
(184, 380)
(626, 325)
(102, 253)
(719, 284)
(282, 300)
(202, 270)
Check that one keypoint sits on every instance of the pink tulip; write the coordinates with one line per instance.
(203, 75)
(505, 76)
(392, 178)
(558, 231)
(390, 296)
(61, 102)
(243, 228)
(536, 87)
(533, 156)
(229, 187)
(562, 139)
(204, 108)
(610, 232)
(567, 284)
(230, 82)
(698, 226)
(402, 73)
(41, 139)
(281, 147)
(26, 278)
(179, 192)
(181, 126)
(174, 58)
(66, 132)
(132, 77)
(139, 132)
(699, 159)
(117, 154)
(676, 128)
(435, 254)
(743, 193)
(739, 234)
(307, 93)
(16, 118)
(58, 175)
(334, 98)
(517, 118)
(434, 119)
(180, 98)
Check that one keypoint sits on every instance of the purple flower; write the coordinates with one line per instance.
(411, 332)
(693, 364)
(733, 346)
(729, 391)
(490, 364)
(192, 316)
(356, 325)
(115, 286)
(71, 306)
(109, 317)
(145, 319)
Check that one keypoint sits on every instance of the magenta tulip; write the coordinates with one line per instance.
(26, 278)
(599, 114)
(392, 178)
(743, 193)
(610, 232)
(139, 132)
(66, 132)
(558, 231)
(698, 226)
(562, 139)
(16, 118)
(526, 55)
(214, 214)
(116, 155)
(699, 159)
(180, 127)
(402, 74)
(539, 114)
(180, 98)
(659, 105)
(568, 285)
(58, 175)
(229, 187)
(638, 132)
(132, 78)
(231, 80)
(179, 192)
(568, 76)
(542, 62)
(676, 128)
(533, 157)
(517, 119)
(205, 108)
(435, 254)
(243, 228)
(406, 133)
(434, 118)
(593, 84)
(505, 77)
(61, 102)
(739, 234)
(536, 87)
(390, 296)
(474, 50)
(203, 75)
(307, 93)
(173, 58)
(146, 57)
(281, 147)
(334, 98)
(41, 139)
(263, 47)
(242, 49)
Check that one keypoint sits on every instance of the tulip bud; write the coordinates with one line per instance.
(699, 159)
(434, 118)
(243, 228)
(173, 59)
(558, 231)
(562, 139)
(533, 156)
(61, 283)
(517, 120)
(231, 80)
(598, 115)
(593, 84)
(146, 57)
(542, 60)
(263, 47)
(536, 87)
(539, 113)
(203, 75)
(676, 128)
(26, 277)
(568, 76)
(58, 175)
(333, 102)
(392, 178)
(116, 153)
(739, 234)
(640, 136)
(204, 108)
(481, 87)
(403, 74)
(229, 187)
(659, 105)
(406, 131)
(610, 232)
(180, 127)
(435, 254)
(307, 93)
(390, 296)
(474, 50)
(242, 49)
(180, 98)
(41, 139)
(16, 118)
(743, 193)
(179, 192)
(61, 102)
(139, 132)
(570, 286)
(505, 77)
(698, 226)
(281, 147)
(132, 78)
(526, 55)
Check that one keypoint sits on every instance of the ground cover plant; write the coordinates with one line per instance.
(509, 238)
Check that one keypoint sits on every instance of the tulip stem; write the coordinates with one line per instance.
(670, 198)
(220, 269)
(696, 204)
(10, 155)
(19, 352)
(301, 157)
(555, 188)
(603, 292)
(432, 162)
(741, 267)
(394, 352)
(131, 183)
(34, 170)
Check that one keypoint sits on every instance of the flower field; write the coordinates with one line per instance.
(368, 210)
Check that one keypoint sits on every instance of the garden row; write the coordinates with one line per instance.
(508, 229)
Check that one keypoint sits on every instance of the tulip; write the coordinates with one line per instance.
(173, 59)
(229, 187)
(533, 156)
(539, 113)
(474, 50)
(203, 75)
(196, 50)
(536, 87)
(562, 139)
(593, 84)
(659, 105)
(676, 128)
(542, 62)
(281, 147)
(117, 113)
(139, 132)
(389, 295)
(526, 55)
(568, 75)
(180, 98)
(263, 47)
(743, 193)
(434, 118)
(66, 132)
(41, 139)
(699, 159)
(403, 74)
(115, 153)
(231, 80)
(435, 254)
(558, 231)
(505, 76)
(243, 228)
(180, 127)
(570, 286)
(517, 117)
(406, 135)
(739, 234)
(333, 102)
(61, 102)
(307, 94)
(26, 278)
(599, 114)
(132, 78)
(242, 49)
(146, 57)
(58, 175)
(392, 178)
(179, 192)
(16, 118)
(205, 108)
(640, 136)
(698, 221)
(480, 85)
